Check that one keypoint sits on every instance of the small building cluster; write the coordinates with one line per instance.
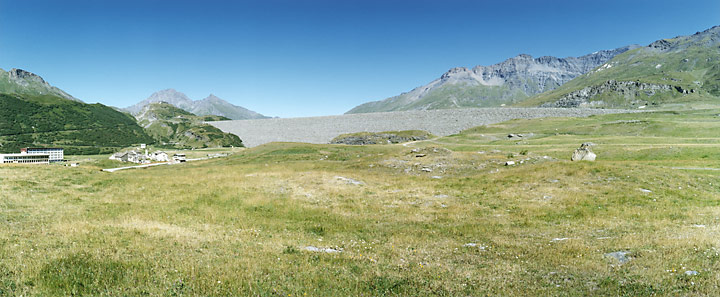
(134, 156)
(34, 155)
(137, 156)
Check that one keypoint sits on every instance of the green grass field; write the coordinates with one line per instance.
(455, 222)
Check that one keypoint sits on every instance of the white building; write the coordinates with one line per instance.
(25, 158)
(179, 157)
(55, 154)
(130, 156)
(160, 156)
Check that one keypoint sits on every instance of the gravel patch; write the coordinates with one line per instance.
(439, 122)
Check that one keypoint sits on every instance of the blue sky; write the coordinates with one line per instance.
(304, 58)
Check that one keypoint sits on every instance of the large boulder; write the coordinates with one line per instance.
(584, 153)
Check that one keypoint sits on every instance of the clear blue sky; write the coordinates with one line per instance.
(316, 57)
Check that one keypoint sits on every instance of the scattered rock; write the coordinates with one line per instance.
(584, 153)
(559, 239)
(441, 196)
(472, 244)
(691, 272)
(620, 256)
(349, 181)
(698, 226)
(509, 163)
(645, 190)
(436, 177)
(420, 155)
(321, 250)
(426, 169)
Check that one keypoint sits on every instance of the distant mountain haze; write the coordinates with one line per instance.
(212, 105)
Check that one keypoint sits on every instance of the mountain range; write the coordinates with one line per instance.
(508, 82)
(679, 72)
(669, 73)
(211, 105)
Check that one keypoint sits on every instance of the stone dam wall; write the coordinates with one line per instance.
(439, 122)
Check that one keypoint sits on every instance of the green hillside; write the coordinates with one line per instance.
(48, 120)
(172, 126)
(671, 73)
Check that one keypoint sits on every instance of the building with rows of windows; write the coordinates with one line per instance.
(25, 158)
(34, 156)
(56, 154)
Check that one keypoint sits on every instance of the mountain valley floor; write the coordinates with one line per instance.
(441, 217)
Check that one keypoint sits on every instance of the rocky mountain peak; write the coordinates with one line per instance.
(19, 81)
(454, 71)
(522, 57)
(22, 75)
(212, 97)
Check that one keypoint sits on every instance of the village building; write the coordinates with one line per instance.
(160, 156)
(34, 155)
(25, 158)
(180, 157)
(55, 154)
(129, 156)
(134, 156)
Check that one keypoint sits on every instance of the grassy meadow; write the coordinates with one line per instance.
(443, 217)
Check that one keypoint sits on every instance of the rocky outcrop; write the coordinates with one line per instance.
(627, 89)
(380, 138)
(24, 77)
(485, 86)
(584, 153)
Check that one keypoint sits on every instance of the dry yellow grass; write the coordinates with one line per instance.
(240, 225)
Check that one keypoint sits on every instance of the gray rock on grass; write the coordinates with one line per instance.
(621, 256)
(584, 153)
